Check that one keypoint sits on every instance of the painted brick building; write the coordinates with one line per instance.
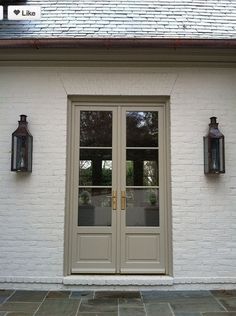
(83, 74)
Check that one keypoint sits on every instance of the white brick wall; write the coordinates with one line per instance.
(32, 207)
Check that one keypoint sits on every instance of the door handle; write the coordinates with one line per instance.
(114, 200)
(123, 200)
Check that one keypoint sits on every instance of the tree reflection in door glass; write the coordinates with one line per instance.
(95, 167)
(95, 128)
(142, 129)
(142, 167)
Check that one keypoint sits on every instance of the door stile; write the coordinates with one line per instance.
(162, 187)
(75, 178)
(122, 172)
(118, 177)
(115, 185)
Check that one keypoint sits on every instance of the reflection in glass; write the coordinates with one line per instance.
(142, 129)
(95, 167)
(142, 167)
(94, 207)
(96, 128)
(142, 207)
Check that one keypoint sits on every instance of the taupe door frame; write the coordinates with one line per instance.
(129, 102)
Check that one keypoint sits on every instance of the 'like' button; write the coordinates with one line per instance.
(24, 12)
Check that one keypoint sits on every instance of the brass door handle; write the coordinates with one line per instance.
(123, 200)
(114, 200)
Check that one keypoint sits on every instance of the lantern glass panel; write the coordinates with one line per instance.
(14, 152)
(30, 150)
(206, 155)
(214, 155)
(222, 155)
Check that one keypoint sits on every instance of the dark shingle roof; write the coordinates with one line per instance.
(193, 19)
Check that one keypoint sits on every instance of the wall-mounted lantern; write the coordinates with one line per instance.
(22, 147)
(214, 149)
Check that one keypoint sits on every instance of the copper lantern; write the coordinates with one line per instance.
(214, 149)
(22, 147)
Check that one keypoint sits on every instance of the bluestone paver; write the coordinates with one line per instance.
(109, 305)
(158, 309)
(229, 303)
(58, 307)
(19, 307)
(27, 296)
(125, 310)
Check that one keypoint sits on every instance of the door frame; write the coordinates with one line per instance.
(74, 101)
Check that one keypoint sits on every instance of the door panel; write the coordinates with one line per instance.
(141, 224)
(94, 247)
(142, 247)
(94, 220)
(118, 210)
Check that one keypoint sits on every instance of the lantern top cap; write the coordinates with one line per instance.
(23, 118)
(213, 120)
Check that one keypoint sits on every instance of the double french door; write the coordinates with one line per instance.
(118, 209)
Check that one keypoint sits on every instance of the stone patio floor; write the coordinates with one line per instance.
(117, 303)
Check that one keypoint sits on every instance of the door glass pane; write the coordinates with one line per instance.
(96, 128)
(142, 167)
(142, 207)
(94, 207)
(95, 167)
(142, 129)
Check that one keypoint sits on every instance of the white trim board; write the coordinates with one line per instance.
(118, 282)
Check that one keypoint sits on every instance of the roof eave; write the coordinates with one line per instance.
(117, 43)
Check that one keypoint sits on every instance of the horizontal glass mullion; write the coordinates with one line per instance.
(142, 187)
(150, 148)
(102, 147)
(95, 186)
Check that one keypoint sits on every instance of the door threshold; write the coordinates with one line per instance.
(118, 280)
